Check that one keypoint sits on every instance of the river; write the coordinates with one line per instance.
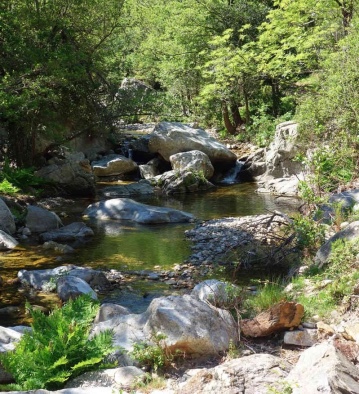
(127, 247)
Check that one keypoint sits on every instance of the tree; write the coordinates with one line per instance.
(52, 79)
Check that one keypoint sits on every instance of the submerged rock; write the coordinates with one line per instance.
(71, 232)
(133, 189)
(127, 209)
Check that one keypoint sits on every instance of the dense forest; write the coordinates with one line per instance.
(240, 66)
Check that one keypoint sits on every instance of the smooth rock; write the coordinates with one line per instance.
(214, 291)
(113, 165)
(39, 220)
(71, 232)
(71, 287)
(195, 161)
(127, 209)
(323, 369)
(7, 241)
(306, 337)
(7, 222)
(109, 311)
(133, 189)
(170, 138)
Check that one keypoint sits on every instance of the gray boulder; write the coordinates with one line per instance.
(113, 165)
(109, 311)
(71, 232)
(7, 241)
(134, 189)
(214, 291)
(349, 233)
(173, 182)
(9, 336)
(71, 287)
(46, 279)
(127, 209)
(195, 161)
(70, 175)
(170, 138)
(151, 169)
(254, 374)
(323, 369)
(39, 220)
(189, 325)
(7, 222)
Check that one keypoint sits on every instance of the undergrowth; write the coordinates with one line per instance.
(58, 347)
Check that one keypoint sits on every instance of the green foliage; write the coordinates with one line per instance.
(268, 294)
(310, 234)
(156, 355)
(7, 188)
(17, 179)
(58, 346)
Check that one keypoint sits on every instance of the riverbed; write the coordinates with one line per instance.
(130, 248)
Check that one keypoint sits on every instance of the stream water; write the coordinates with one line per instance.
(126, 247)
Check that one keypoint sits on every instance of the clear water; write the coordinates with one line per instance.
(126, 247)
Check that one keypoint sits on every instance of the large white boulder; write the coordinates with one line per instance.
(189, 325)
(168, 139)
(127, 209)
(195, 161)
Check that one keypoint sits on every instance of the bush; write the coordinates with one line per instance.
(58, 347)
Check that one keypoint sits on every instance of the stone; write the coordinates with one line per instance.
(323, 369)
(113, 165)
(279, 317)
(349, 233)
(7, 222)
(71, 175)
(7, 241)
(253, 374)
(108, 311)
(168, 139)
(39, 220)
(214, 291)
(116, 378)
(134, 189)
(188, 324)
(60, 248)
(71, 287)
(173, 182)
(71, 232)
(195, 161)
(306, 337)
(151, 169)
(9, 336)
(127, 209)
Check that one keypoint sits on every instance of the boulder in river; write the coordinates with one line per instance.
(7, 222)
(39, 220)
(168, 139)
(71, 232)
(113, 165)
(7, 241)
(134, 189)
(71, 287)
(127, 209)
(195, 161)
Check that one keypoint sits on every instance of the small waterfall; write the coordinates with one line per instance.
(231, 177)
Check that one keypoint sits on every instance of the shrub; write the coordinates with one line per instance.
(58, 347)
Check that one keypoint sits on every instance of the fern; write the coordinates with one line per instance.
(58, 347)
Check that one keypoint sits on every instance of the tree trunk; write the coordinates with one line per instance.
(227, 120)
(237, 119)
